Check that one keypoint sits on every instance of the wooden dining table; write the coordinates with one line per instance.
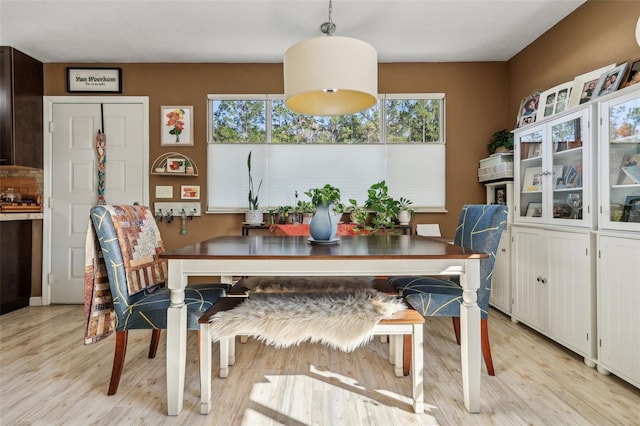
(377, 255)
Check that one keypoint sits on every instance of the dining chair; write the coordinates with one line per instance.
(479, 228)
(120, 232)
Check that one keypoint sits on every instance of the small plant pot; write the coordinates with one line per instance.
(253, 217)
(404, 217)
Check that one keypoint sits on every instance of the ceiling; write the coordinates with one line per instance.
(112, 31)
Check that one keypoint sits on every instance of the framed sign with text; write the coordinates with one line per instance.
(106, 80)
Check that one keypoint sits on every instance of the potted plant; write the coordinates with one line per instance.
(500, 141)
(384, 207)
(253, 215)
(305, 209)
(323, 226)
(357, 214)
(283, 214)
(406, 213)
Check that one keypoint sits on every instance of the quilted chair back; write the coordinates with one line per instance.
(479, 228)
(125, 304)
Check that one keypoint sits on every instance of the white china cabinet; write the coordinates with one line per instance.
(553, 258)
(619, 235)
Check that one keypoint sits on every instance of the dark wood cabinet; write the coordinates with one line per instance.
(21, 91)
(15, 265)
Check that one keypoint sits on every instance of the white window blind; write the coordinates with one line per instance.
(412, 170)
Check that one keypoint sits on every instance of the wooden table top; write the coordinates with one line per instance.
(348, 247)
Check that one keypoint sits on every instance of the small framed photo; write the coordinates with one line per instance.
(631, 211)
(534, 210)
(89, 80)
(634, 74)
(190, 192)
(584, 86)
(610, 81)
(528, 109)
(554, 100)
(176, 165)
(177, 125)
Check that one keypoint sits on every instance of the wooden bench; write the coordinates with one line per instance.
(407, 323)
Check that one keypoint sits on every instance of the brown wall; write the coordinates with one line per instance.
(480, 99)
(474, 112)
(598, 33)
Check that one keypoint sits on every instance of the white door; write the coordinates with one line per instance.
(73, 180)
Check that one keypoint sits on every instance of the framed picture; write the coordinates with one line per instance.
(631, 212)
(89, 80)
(532, 181)
(610, 81)
(634, 74)
(554, 100)
(561, 210)
(534, 210)
(177, 125)
(528, 109)
(584, 85)
(190, 192)
(176, 165)
(535, 150)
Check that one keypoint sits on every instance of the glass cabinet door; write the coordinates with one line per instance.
(529, 151)
(620, 162)
(568, 156)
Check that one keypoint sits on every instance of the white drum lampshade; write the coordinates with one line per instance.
(330, 76)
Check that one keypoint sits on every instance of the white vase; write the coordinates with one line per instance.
(253, 217)
(404, 217)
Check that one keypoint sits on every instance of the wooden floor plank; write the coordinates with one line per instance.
(47, 376)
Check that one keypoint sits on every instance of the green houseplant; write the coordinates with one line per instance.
(253, 215)
(502, 140)
(406, 212)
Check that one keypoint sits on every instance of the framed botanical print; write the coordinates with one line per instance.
(177, 125)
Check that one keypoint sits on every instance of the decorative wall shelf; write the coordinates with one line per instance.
(174, 164)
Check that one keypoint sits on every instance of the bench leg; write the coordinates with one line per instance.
(224, 357)
(205, 369)
(392, 349)
(417, 369)
(396, 342)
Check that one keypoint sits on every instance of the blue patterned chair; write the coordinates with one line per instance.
(479, 228)
(146, 309)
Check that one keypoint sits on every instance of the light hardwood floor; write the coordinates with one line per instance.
(47, 376)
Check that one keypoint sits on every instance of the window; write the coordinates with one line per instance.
(294, 152)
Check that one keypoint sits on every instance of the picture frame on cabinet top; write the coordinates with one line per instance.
(554, 100)
(584, 85)
(610, 81)
(633, 76)
(528, 110)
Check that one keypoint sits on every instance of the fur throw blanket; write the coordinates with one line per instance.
(342, 321)
(307, 284)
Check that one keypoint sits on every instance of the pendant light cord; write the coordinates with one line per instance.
(328, 28)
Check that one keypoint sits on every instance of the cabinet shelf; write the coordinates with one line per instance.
(180, 164)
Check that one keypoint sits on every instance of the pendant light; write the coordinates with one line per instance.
(330, 75)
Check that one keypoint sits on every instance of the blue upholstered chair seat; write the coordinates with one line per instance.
(148, 310)
(479, 228)
(433, 296)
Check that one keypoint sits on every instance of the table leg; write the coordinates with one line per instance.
(176, 339)
(417, 366)
(470, 335)
(205, 369)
